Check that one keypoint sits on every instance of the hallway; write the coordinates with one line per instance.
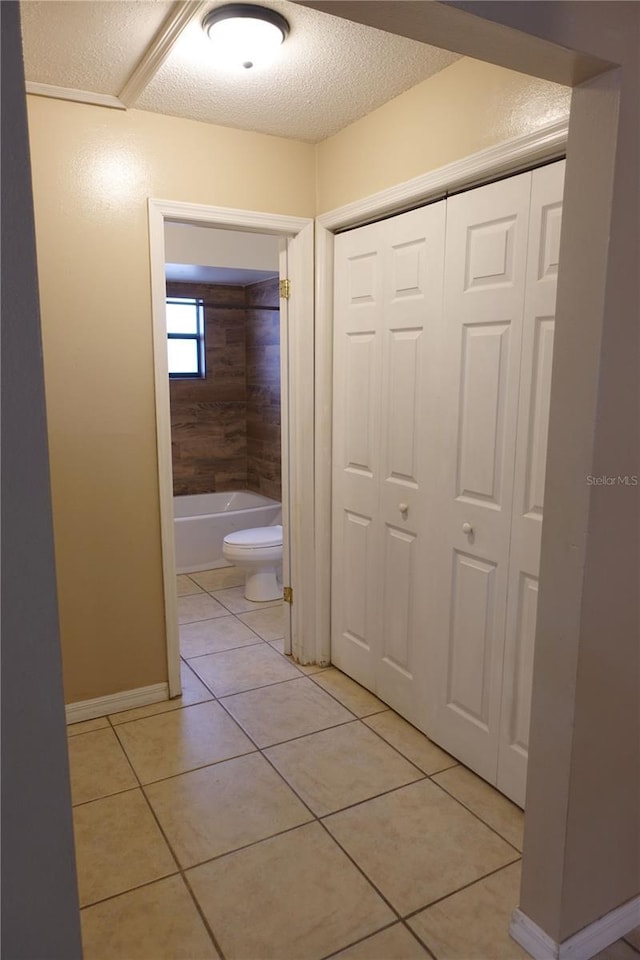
(278, 811)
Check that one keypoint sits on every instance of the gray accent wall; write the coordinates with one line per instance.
(40, 917)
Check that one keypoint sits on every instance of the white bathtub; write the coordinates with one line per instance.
(203, 520)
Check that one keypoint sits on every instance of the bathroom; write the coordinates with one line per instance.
(223, 323)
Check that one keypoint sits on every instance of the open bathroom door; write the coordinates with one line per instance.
(284, 441)
(297, 327)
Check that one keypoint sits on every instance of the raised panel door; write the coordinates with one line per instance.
(485, 262)
(530, 463)
(412, 294)
(355, 613)
(388, 290)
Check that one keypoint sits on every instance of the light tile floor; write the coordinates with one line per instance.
(277, 812)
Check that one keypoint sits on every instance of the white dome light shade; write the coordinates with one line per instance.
(244, 34)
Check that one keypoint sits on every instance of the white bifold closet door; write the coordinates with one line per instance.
(388, 295)
(442, 369)
(499, 304)
(484, 288)
(547, 185)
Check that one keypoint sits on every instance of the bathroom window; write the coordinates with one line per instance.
(185, 337)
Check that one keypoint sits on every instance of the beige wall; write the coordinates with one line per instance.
(93, 170)
(38, 863)
(464, 108)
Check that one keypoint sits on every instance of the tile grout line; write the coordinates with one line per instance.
(419, 939)
(432, 903)
(177, 862)
(428, 776)
(377, 796)
(374, 713)
(361, 871)
(191, 670)
(317, 819)
(223, 696)
(311, 733)
(245, 846)
(104, 796)
(226, 615)
(180, 869)
(138, 786)
(122, 893)
(182, 872)
(268, 605)
(469, 810)
(256, 749)
(398, 750)
(336, 953)
(423, 774)
(172, 776)
(314, 817)
(212, 653)
(260, 604)
(207, 925)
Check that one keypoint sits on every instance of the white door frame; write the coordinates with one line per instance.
(297, 232)
(545, 144)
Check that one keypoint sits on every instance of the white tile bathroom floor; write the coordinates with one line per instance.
(277, 812)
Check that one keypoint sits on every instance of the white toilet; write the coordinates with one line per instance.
(258, 552)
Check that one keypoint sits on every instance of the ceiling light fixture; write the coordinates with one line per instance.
(245, 34)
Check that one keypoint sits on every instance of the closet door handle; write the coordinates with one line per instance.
(467, 528)
(403, 508)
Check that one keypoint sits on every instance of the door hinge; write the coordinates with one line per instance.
(287, 594)
(285, 289)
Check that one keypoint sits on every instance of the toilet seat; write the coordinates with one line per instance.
(255, 538)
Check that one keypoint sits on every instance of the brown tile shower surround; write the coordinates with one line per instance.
(263, 388)
(225, 428)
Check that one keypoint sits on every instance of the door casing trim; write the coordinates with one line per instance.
(301, 366)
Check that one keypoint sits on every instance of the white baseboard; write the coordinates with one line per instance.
(115, 702)
(582, 945)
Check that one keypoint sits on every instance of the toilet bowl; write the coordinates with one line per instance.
(258, 552)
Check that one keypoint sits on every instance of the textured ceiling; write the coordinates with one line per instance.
(328, 73)
(87, 45)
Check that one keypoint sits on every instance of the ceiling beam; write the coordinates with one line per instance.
(471, 28)
(181, 15)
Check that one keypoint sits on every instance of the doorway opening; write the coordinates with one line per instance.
(223, 330)
(282, 248)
